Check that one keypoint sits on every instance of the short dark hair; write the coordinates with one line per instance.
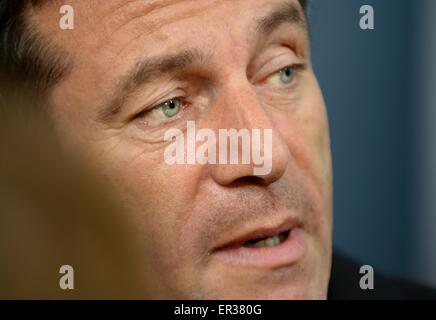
(26, 58)
(28, 61)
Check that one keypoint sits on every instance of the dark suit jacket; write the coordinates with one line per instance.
(345, 278)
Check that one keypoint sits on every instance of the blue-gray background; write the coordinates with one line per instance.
(379, 88)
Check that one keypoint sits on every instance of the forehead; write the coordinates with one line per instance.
(97, 21)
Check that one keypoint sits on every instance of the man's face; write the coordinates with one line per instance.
(224, 64)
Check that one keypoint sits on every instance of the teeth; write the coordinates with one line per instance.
(268, 242)
(271, 242)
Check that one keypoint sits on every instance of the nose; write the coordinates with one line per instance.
(240, 108)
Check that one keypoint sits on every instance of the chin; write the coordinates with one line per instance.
(287, 283)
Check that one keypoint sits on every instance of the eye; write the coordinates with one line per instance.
(284, 76)
(166, 110)
(171, 107)
(287, 75)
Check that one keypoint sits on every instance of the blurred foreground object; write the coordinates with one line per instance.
(53, 212)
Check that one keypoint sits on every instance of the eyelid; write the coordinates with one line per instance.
(147, 109)
(161, 104)
(141, 120)
(297, 67)
(275, 64)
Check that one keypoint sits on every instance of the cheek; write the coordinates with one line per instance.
(158, 196)
(159, 199)
(305, 131)
(306, 134)
(314, 125)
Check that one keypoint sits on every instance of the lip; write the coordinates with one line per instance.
(289, 252)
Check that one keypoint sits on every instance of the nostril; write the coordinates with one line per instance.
(248, 180)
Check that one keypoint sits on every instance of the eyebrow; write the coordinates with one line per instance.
(146, 70)
(286, 13)
(143, 72)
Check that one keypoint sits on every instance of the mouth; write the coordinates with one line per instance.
(267, 241)
(265, 247)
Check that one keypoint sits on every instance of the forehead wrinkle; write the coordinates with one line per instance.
(133, 10)
(155, 25)
(135, 5)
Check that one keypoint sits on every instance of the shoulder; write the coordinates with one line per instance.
(345, 284)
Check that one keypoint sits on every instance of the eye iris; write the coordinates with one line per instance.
(286, 75)
(171, 108)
